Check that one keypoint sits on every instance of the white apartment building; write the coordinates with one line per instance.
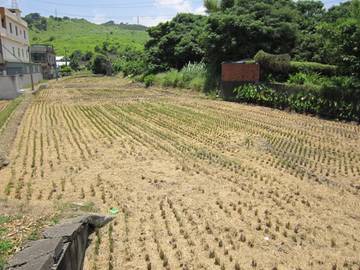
(14, 41)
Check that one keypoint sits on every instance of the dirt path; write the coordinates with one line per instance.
(200, 184)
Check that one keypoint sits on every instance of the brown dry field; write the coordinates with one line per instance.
(200, 183)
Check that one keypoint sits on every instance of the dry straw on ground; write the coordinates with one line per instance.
(200, 184)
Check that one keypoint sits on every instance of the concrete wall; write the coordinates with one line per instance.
(10, 86)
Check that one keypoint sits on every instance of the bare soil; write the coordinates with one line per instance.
(200, 184)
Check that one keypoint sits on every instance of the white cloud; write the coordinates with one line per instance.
(178, 5)
(200, 10)
(99, 18)
(152, 21)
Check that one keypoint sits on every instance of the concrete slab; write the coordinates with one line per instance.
(39, 253)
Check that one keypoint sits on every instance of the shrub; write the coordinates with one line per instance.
(330, 100)
(191, 71)
(149, 80)
(171, 78)
(128, 68)
(101, 65)
(65, 70)
(74, 64)
(130, 62)
(312, 67)
(312, 80)
(191, 76)
(273, 64)
(197, 83)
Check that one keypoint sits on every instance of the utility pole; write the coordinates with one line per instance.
(56, 14)
(32, 77)
(138, 20)
(66, 57)
(31, 71)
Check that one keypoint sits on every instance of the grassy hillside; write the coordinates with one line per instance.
(79, 34)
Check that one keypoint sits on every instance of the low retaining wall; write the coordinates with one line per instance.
(10, 86)
(63, 246)
(235, 74)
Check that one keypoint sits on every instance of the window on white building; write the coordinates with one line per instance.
(13, 51)
(22, 53)
(19, 52)
(3, 23)
(10, 27)
(16, 30)
(25, 34)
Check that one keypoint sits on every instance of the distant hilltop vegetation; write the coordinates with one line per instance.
(137, 27)
(68, 34)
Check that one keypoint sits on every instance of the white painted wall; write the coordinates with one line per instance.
(8, 52)
(14, 38)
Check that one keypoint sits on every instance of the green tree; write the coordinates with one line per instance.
(35, 21)
(101, 65)
(75, 59)
(174, 44)
(212, 5)
(355, 10)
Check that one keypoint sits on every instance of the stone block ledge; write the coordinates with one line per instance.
(63, 246)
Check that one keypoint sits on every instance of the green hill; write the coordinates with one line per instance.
(80, 34)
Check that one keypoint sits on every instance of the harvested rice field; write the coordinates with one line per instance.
(199, 183)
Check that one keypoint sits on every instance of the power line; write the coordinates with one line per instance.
(133, 4)
(14, 4)
(112, 17)
(140, 4)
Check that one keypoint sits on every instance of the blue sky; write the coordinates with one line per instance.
(150, 12)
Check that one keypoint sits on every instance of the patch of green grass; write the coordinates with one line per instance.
(2, 263)
(5, 246)
(4, 219)
(79, 34)
(3, 231)
(4, 114)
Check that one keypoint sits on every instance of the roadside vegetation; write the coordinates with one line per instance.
(7, 108)
(308, 55)
(5, 245)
